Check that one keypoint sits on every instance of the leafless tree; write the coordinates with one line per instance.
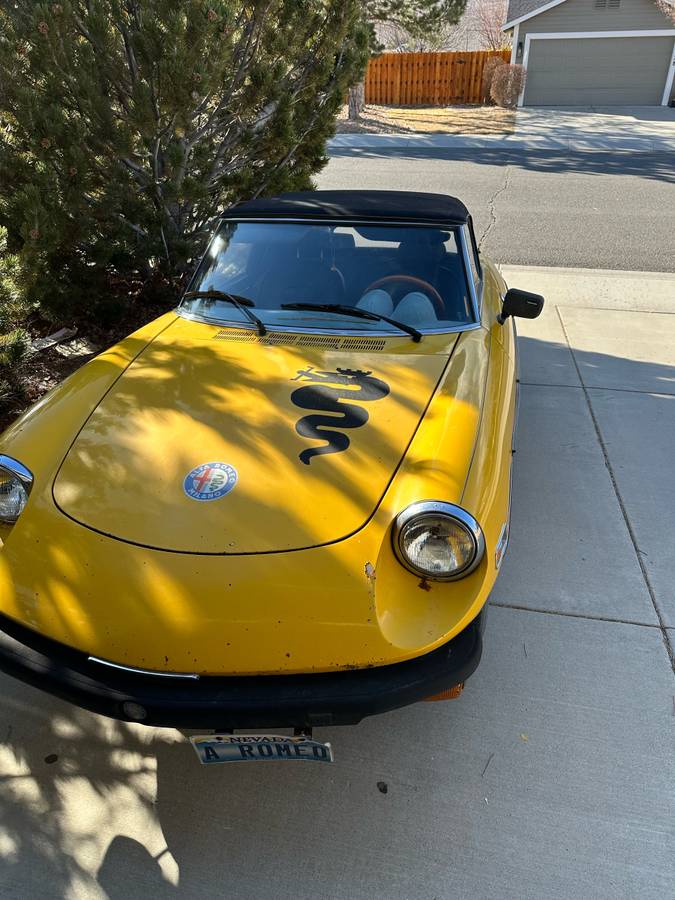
(490, 16)
(396, 39)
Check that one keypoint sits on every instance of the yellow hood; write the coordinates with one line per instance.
(215, 441)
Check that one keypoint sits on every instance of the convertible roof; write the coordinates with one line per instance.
(391, 205)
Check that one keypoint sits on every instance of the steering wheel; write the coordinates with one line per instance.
(428, 289)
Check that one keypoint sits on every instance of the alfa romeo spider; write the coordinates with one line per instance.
(285, 503)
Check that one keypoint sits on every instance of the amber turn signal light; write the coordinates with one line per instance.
(449, 694)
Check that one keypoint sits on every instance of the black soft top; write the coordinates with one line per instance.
(402, 206)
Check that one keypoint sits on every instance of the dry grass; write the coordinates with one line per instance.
(429, 120)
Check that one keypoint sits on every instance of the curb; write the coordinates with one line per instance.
(580, 143)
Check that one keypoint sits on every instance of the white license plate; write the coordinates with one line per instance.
(223, 748)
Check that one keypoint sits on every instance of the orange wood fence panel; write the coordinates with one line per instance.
(430, 79)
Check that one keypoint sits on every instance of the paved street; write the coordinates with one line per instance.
(550, 777)
(593, 210)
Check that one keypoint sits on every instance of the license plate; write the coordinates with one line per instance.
(223, 748)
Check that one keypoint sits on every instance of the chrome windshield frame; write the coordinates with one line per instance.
(468, 275)
(326, 328)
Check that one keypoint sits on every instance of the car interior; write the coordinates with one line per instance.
(414, 274)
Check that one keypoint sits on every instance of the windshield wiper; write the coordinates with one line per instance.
(240, 303)
(357, 313)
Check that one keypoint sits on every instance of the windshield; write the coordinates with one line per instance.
(412, 274)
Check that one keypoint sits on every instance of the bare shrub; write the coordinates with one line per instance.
(666, 8)
(507, 83)
(489, 69)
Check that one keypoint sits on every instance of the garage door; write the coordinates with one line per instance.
(597, 71)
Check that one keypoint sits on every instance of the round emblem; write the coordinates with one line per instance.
(210, 481)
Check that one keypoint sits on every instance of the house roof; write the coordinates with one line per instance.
(519, 10)
(396, 205)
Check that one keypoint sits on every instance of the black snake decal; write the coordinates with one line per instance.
(326, 393)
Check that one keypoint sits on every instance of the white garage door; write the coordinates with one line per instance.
(597, 71)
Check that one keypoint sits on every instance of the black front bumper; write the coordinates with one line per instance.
(226, 703)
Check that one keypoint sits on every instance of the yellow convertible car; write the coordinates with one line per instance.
(286, 502)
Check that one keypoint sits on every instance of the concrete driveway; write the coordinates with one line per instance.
(551, 777)
(596, 127)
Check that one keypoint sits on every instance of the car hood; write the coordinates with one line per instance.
(217, 441)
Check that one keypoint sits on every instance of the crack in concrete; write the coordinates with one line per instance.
(491, 206)
(622, 506)
(572, 615)
(580, 387)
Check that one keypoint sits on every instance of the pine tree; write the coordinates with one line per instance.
(418, 18)
(127, 125)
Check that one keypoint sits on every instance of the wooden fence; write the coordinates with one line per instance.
(436, 79)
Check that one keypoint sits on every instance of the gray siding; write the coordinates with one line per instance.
(598, 71)
(581, 15)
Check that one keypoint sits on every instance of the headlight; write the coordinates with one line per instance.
(15, 484)
(438, 540)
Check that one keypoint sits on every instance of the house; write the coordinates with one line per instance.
(594, 52)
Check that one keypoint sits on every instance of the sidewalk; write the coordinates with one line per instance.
(646, 129)
(610, 289)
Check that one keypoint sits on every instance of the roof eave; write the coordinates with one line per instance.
(533, 12)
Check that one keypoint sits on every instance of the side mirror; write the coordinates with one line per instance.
(520, 303)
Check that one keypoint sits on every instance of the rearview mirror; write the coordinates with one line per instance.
(520, 303)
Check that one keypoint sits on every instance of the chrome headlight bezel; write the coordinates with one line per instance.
(461, 517)
(23, 475)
